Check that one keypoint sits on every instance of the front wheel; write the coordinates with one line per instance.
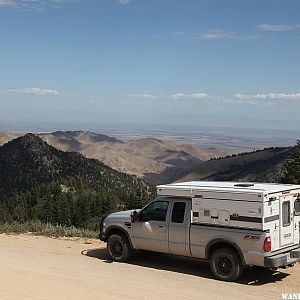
(226, 265)
(118, 248)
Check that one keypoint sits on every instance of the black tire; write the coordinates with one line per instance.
(226, 265)
(118, 248)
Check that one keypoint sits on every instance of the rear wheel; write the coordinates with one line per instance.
(226, 265)
(118, 248)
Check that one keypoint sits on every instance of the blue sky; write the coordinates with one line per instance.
(203, 63)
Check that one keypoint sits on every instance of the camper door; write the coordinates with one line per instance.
(286, 220)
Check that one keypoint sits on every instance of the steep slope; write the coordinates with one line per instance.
(262, 165)
(28, 161)
(152, 159)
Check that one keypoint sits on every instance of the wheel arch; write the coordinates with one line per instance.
(117, 230)
(223, 243)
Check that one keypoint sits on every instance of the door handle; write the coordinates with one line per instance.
(162, 228)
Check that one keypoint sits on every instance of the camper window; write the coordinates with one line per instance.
(286, 213)
(297, 207)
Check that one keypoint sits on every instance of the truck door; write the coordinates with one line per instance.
(286, 220)
(179, 228)
(150, 232)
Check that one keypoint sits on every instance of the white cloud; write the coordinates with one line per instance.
(175, 96)
(39, 91)
(199, 96)
(6, 2)
(33, 91)
(33, 4)
(269, 96)
(123, 2)
(144, 96)
(236, 98)
(278, 27)
(216, 34)
(178, 96)
(189, 96)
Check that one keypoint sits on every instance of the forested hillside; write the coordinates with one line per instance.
(40, 182)
(265, 165)
(291, 173)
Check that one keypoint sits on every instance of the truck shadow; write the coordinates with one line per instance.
(190, 266)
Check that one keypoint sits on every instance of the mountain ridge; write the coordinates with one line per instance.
(264, 165)
(152, 159)
(163, 161)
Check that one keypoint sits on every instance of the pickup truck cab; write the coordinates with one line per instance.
(230, 224)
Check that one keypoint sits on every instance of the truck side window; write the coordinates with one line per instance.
(297, 207)
(286, 213)
(155, 211)
(178, 212)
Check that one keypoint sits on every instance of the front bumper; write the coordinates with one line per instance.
(101, 233)
(283, 259)
(102, 237)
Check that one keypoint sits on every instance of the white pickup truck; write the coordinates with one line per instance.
(232, 225)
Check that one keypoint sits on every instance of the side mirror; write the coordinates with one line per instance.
(134, 216)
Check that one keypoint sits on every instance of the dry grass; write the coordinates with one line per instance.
(39, 228)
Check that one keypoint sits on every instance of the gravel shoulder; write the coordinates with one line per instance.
(45, 268)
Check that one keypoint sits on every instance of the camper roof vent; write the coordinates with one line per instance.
(244, 184)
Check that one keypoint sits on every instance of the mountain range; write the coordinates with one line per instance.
(163, 160)
(155, 160)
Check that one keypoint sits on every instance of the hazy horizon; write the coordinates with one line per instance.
(222, 138)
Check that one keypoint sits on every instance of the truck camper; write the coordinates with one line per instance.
(230, 224)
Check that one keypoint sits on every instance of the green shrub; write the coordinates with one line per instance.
(39, 228)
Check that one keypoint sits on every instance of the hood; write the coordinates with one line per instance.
(121, 215)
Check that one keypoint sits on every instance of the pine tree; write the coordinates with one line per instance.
(292, 166)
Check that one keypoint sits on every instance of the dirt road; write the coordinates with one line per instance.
(45, 268)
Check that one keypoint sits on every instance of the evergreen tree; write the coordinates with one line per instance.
(292, 166)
